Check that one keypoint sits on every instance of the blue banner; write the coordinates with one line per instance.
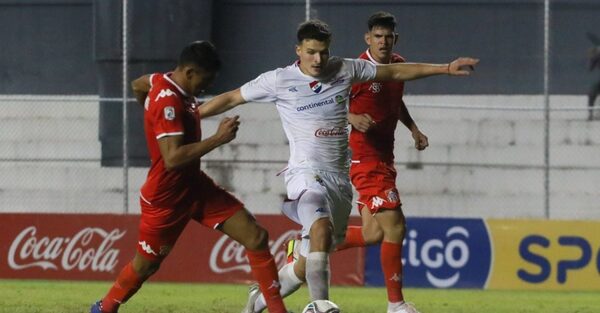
(439, 253)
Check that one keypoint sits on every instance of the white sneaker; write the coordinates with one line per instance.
(253, 294)
(404, 308)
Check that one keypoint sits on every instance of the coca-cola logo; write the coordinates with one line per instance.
(228, 255)
(331, 132)
(68, 253)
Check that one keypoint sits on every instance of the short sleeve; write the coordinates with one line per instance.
(167, 113)
(261, 89)
(361, 70)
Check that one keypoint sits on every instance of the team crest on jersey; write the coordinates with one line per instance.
(392, 196)
(316, 86)
(375, 87)
(169, 113)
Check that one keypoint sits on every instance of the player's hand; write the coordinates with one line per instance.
(361, 122)
(227, 129)
(462, 66)
(421, 141)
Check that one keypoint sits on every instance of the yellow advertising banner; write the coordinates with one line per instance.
(549, 255)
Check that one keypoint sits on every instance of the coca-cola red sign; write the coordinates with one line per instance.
(68, 253)
(96, 247)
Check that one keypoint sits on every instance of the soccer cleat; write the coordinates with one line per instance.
(97, 307)
(404, 308)
(293, 250)
(253, 294)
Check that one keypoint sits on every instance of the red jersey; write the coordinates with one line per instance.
(381, 100)
(169, 111)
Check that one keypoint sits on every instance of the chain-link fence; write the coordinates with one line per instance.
(513, 140)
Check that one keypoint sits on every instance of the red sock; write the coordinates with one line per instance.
(127, 284)
(391, 263)
(354, 238)
(265, 272)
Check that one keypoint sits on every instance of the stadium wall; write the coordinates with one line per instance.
(485, 162)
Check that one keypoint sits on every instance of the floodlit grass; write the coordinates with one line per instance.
(28, 296)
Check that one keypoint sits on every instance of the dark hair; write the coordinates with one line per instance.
(313, 29)
(382, 19)
(202, 54)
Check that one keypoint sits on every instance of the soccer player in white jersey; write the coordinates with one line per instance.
(311, 96)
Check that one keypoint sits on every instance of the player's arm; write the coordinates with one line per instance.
(140, 87)
(361, 122)
(421, 141)
(410, 71)
(221, 103)
(175, 154)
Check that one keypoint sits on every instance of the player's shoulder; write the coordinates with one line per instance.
(163, 90)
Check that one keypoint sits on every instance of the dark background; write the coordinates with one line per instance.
(74, 46)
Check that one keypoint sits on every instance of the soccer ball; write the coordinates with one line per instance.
(321, 306)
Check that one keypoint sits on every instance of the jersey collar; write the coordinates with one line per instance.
(373, 60)
(167, 76)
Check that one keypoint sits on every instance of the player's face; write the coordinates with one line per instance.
(380, 41)
(200, 79)
(313, 56)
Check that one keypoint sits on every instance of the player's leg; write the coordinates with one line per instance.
(393, 224)
(369, 233)
(242, 227)
(219, 209)
(154, 244)
(314, 214)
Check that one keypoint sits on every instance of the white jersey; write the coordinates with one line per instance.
(313, 111)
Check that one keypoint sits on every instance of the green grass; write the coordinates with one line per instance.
(19, 296)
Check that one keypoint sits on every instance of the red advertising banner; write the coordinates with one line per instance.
(96, 247)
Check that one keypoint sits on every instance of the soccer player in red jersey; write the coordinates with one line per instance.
(375, 109)
(176, 190)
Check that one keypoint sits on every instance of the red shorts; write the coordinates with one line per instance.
(375, 183)
(161, 226)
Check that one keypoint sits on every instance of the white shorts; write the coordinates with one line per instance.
(337, 189)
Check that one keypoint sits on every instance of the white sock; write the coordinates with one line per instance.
(317, 275)
(289, 283)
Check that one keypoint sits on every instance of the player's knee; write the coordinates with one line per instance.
(372, 235)
(395, 232)
(321, 235)
(147, 269)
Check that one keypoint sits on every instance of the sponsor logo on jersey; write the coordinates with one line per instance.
(293, 89)
(339, 99)
(169, 113)
(375, 87)
(331, 132)
(315, 105)
(164, 93)
(315, 86)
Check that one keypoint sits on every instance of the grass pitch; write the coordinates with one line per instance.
(20, 296)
